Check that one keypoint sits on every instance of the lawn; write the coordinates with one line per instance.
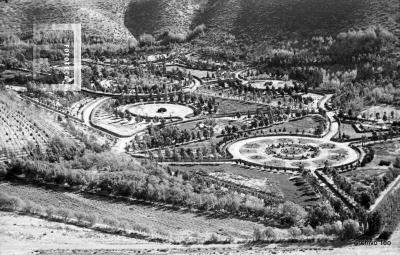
(234, 106)
(382, 110)
(292, 191)
(308, 124)
(382, 152)
(387, 151)
(347, 129)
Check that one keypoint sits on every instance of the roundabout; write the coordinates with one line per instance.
(292, 152)
(159, 110)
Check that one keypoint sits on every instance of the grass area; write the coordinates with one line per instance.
(389, 110)
(198, 73)
(219, 124)
(162, 220)
(308, 124)
(347, 129)
(205, 143)
(291, 190)
(362, 176)
(234, 106)
(387, 151)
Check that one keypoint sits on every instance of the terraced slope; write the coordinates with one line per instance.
(98, 17)
(259, 19)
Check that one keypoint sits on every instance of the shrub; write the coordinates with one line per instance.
(50, 211)
(307, 231)
(140, 228)
(66, 214)
(28, 207)
(212, 239)
(295, 231)
(10, 203)
(351, 229)
(385, 235)
(123, 225)
(321, 214)
(80, 217)
(337, 228)
(111, 222)
(3, 170)
(320, 230)
(258, 235)
(92, 219)
(269, 233)
(293, 214)
(146, 39)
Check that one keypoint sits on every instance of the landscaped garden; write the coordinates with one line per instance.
(269, 139)
(291, 152)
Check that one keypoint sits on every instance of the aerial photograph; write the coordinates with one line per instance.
(200, 127)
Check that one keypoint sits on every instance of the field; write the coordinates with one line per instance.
(291, 189)
(25, 128)
(157, 219)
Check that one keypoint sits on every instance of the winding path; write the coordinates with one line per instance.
(88, 109)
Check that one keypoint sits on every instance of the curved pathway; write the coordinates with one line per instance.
(88, 109)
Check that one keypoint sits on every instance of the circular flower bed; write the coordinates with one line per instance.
(292, 151)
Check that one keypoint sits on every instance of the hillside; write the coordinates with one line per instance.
(254, 19)
(157, 15)
(258, 19)
(98, 17)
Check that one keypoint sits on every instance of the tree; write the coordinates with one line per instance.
(351, 229)
(293, 214)
(321, 214)
(366, 199)
(375, 222)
